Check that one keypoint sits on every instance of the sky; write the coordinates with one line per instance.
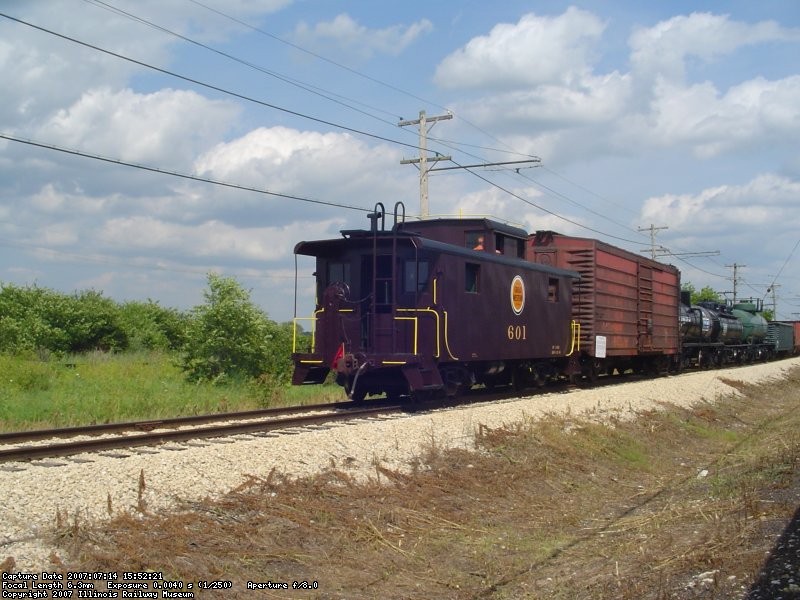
(146, 143)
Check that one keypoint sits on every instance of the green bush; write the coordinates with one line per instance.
(150, 326)
(34, 319)
(229, 337)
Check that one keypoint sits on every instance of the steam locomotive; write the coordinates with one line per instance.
(433, 307)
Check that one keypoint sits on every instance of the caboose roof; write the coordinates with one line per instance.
(468, 224)
(363, 239)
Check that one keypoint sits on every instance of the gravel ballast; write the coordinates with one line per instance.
(89, 487)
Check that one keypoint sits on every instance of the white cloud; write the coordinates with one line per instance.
(166, 128)
(596, 100)
(212, 239)
(535, 50)
(325, 166)
(344, 33)
(752, 113)
(765, 201)
(50, 200)
(545, 97)
(662, 50)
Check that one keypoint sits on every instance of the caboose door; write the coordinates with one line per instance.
(377, 304)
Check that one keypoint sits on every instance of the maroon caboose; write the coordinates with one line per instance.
(627, 306)
(435, 306)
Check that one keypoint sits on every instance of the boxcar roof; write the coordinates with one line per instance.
(597, 244)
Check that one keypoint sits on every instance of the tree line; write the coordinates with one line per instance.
(225, 336)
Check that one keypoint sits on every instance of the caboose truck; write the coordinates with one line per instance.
(432, 307)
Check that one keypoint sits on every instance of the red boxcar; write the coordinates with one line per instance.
(627, 305)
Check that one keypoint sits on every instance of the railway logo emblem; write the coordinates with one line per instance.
(517, 295)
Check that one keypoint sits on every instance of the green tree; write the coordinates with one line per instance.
(227, 335)
(38, 319)
(707, 294)
(150, 326)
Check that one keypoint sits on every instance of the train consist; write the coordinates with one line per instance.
(433, 307)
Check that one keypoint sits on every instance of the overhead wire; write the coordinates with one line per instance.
(208, 85)
(267, 104)
(270, 105)
(285, 78)
(179, 174)
(327, 95)
(783, 266)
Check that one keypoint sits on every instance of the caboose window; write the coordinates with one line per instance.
(415, 276)
(552, 290)
(472, 278)
(475, 240)
(509, 246)
(383, 280)
(338, 271)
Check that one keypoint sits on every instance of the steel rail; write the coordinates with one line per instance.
(16, 437)
(24, 453)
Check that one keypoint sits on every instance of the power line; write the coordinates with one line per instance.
(285, 78)
(358, 74)
(189, 176)
(208, 85)
(783, 266)
(295, 113)
(315, 55)
(256, 101)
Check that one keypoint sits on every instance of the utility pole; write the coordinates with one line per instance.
(652, 229)
(773, 289)
(422, 161)
(735, 268)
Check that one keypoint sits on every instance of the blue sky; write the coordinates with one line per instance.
(683, 115)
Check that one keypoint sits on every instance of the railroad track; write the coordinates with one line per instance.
(17, 446)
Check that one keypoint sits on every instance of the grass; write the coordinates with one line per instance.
(556, 509)
(103, 388)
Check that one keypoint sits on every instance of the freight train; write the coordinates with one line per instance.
(433, 307)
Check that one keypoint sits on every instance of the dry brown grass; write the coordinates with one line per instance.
(677, 504)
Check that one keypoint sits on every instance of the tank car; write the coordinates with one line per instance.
(715, 333)
(754, 325)
(710, 333)
(432, 307)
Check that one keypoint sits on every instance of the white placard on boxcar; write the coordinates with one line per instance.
(600, 346)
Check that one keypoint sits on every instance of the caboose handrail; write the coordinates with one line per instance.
(397, 205)
(313, 320)
(416, 329)
(425, 310)
(446, 337)
(575, 335)
(313, 330)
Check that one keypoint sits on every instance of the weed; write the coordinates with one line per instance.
(555, 509)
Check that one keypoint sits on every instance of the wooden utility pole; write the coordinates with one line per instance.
(735, 268)
(652, 229)
(773, 290)
(422, 161)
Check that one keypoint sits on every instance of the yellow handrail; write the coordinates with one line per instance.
(416, 328)
(575, 336)
(313, 331)
(425, 310)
